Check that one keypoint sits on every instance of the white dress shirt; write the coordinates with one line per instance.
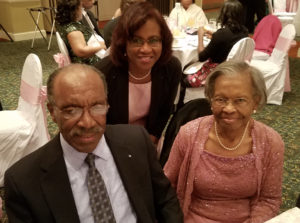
(193, 17)
(77, 171)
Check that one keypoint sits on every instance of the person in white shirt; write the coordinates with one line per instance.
(188, 15)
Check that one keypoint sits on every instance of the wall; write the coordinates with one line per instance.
(107, 9)
(16, 19)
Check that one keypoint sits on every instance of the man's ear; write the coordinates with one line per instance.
(51, 110)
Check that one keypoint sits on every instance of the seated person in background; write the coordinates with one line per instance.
(88, 17)
(141, 73)
(231, 31)
(189, 15)
(228, 167)
(75, 34)
(59, 182)
(110, 25)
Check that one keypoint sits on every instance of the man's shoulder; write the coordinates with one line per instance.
(125, 129)
(31, 161)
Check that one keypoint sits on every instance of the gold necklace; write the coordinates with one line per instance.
(231, 148)
(139, 78)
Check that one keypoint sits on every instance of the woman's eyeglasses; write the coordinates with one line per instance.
(237, 102)
(139, 42)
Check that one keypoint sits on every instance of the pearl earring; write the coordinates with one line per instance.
(254, 111)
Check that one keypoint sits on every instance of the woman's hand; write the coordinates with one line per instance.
(80, 47)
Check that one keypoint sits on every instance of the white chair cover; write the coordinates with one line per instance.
(241, 51)
(24, 130)
(297, 22)
(62, 58)
(279, 10)
(275, 68)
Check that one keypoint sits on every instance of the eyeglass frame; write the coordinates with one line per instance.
(105, 110)
(223, 102)
(141, 43)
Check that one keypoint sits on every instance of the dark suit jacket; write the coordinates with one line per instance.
(165, 82)
(93, 20)
(37, 188)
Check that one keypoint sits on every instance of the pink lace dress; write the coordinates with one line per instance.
(215, 198)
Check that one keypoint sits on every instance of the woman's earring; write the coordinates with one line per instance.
(254, 111)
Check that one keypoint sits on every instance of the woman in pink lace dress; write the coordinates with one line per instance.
(228, 167)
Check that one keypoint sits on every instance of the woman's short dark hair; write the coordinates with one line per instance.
(132, 20)
(66, 11)
(232, 16)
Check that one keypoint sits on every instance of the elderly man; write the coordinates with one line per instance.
(89, 172)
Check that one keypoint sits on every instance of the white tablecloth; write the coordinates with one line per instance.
(185, 48)
(289, 216)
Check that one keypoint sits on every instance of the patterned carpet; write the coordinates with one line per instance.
(285, 118)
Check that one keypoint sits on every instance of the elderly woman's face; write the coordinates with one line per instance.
(145, 48)
(233, 101)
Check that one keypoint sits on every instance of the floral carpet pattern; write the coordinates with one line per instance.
(285, 118)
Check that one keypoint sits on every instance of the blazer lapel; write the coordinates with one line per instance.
(124, 160)
(56, 186)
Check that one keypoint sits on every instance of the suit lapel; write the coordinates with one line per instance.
(56, 186)
(124, 159)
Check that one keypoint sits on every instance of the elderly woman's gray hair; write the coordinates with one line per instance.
(238, 68)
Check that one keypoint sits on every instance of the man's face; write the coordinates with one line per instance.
(87, 4)
(78, 108)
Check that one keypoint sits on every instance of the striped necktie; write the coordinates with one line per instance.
(99, 199)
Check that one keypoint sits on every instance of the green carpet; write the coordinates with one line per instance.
(285, 118)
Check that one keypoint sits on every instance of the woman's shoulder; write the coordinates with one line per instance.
(192, 126)
(72, 26)
(265, 133)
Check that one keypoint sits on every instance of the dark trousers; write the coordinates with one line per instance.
(252, 8)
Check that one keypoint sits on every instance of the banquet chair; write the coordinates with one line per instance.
(275, 68)
(265, 36)
(241, 51)
(62, 58)
(24, 130)
(297, 21)
(279, 10)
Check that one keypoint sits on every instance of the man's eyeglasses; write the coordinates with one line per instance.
(139, 42)
(76, 112)
(237, 102)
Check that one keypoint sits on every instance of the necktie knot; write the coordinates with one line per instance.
(90, 159)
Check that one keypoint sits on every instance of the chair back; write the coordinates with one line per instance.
(62, 59)
(266, 33)
(242, 50)
(297, 21)
(24, 130)
(33, 96)
(279, 5)
(283, 44)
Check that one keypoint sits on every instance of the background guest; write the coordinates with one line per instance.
(88, 17)
(228, 167)
(141, 73)
(253, 9)
(91, 170)
(188, 15)
(75, 34)
(231, 31)
(111, 24)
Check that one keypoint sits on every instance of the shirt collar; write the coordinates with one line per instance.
(76, 158)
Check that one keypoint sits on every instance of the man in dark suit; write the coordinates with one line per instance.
(88, 17)
(50, 184)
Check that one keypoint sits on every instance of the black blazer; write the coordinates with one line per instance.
(165, 82)
(93, 20)
(37, 188)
